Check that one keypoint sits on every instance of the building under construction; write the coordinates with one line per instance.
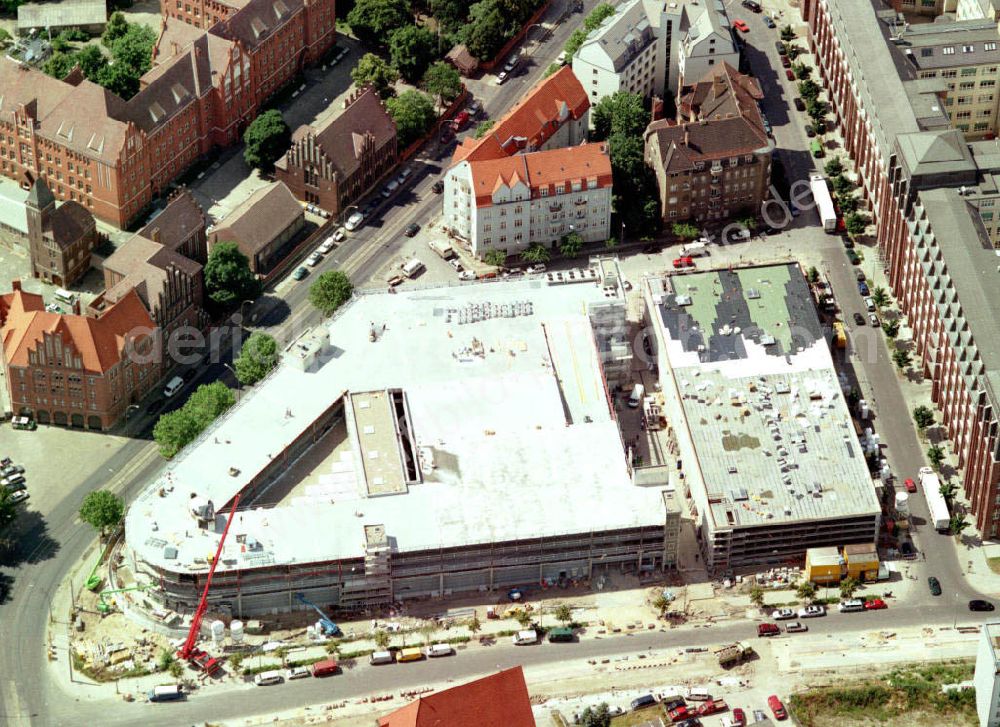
(436, 441)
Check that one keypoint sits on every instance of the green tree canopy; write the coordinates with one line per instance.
(597, 16)
(330, 291)
(808, 89)
(134, 48)
(267, 139)
(495, 257)
(923, 416)
(848, 203)
(484, 128)
(685, 230)
(636, 197)
(485, 35)
(449, 13)
(119, 79)
(375, 70)
(834, 166)
(880, 297)
(374, 20)
(890, 328)
(571, 244)
(413, 113)
(901, 358)
(848, 587)
(935, 455)
(855, 224)
(564, 613)
(59, 65)
(806, 592)
(599, 716)
(115, 28)
(411, 49)
(757, 596)
(787, 33)
(8, 510)
(536, 253)
(443, 81)
(173, 431)
(573, 43)
(257, 357)
(102, 509)
(228, 279)
(91, 61)
(208, 401)
(619, 113)
(381, 638)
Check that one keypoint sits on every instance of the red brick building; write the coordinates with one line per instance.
(333, 165)
(77, 370)
(60, 238)
(916, 180)
(113, 156)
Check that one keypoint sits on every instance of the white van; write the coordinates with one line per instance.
(173, 386)
(698, 694)
(266, 678)
(635, 398)
(381, 657)
(440, 650)
(65, 296)
(412, 267)
(524, 638)
(166, 693)
(853, 604)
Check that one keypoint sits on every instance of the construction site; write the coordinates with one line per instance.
(768, 452)
(422, 444)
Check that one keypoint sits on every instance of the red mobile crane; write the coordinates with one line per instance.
(196, 657)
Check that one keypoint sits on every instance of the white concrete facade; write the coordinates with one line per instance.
(707, 41)
(985, 679)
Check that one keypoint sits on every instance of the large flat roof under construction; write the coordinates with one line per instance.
(759, 406)
(474, 414)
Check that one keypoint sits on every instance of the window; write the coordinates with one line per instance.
(949, 74)
(989, 46)
(968, 48)
(962, 100)
(926, 52)
(969, 71)
(948, 50)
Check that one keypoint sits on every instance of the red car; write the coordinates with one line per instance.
(741, 26)
(684, 262)
(739, 717)
(910, 485)
(786, 62)
(876, 604)
(679, 714)
(789, 75)
(460, 120)
(777, 707)
(768, 630)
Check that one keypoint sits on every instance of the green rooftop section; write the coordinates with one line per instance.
(770, 311)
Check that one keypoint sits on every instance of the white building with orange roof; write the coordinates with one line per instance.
(531, 179)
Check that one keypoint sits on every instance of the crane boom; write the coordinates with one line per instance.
(188, 649)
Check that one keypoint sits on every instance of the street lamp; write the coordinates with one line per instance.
(242, 316)
(343, 213)
(958, 601)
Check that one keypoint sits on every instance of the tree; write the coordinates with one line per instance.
(8, 513)
(880, 297)
(809, 90)
(935, 455)
(787, 34)
(597, 16)
(661, 603)
(165, 659)
(411, 49)
(573, 43)
(834, 167)
(923, 416)
(484, 128)
(749, 223)
(59, 65)
(812, 275)
(599, 716)
(115, 28)
(855, 224)
(381, 638)
(564, 613)
(890, 328)
(806, 592)
(91, 61)
(619, 113)
(757, 596)
(901, 358)
(536, 253)
(374, 20)
(119, 79)
(267, 139)
(475, 626)
(443, 81)
(282, 653)
(236, 660)
(848, 204)
(228, 278)
(848, 587)
(208, 401)
(413, 113)
(173, 431)
(685, 230)
(523, 618)
(330, 291)
(374, 70)
(134, 48)
(571, 244)
(449, 13)
(102, 509)
(257, 357)
(5, 38)
(816, 109)
(551, 68)
(486, 35)
(948, 491)
(842, 185)
(801, 71)
(495, 257)
(957, 524)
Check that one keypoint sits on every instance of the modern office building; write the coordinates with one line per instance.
(769, 452)
(916, 175)
(476, 466)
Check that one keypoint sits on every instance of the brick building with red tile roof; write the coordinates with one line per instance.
(498, 700)
(77, 370)
(714, 162)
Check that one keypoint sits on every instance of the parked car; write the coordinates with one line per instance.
(457, 264)
(684, 262)
(907, 550)
(388, 189)
(874, 320)
(795, 627)
(978, 604)
(859, 275)
(863, 288)
(786, 62)
(859, 319)
(810, 132)
(646, 700)
(812, 612)
(405, 174)
(297, 672)
(438, 187)
(14, 482)
(910, 485)
(751, 5)
(875, 604)
(782, 614)
(300, 272)
(777, 708)
(11, 469)
(853, 257)
(869, 303)
(935, 585)
(800, 105)
(768, 629)
(780, 47)
(411, 229)
(354, 221)
(501, 78)
(327, 246)
(340, 235)
(768, 22)
(535, 269)
(315, 259)
(789, 74)
(460, 120)
(474, 108)
(467, 275)
(739, 717)
(24, 423)
(741, 26)
(19, 497)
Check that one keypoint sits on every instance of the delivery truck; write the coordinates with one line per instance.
(442, 248)
(824, 203)
(936, 504)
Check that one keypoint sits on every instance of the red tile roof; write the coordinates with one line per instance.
(542, 169)
(499, 700)
(99, 341)
(531, 122)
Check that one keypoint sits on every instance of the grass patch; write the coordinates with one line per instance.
(908, 695)
(640, 717)
(994, 564)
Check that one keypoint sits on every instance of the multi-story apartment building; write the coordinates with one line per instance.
(715, 161)
(937, 263)
(113, 156)
(338, 163)
(959, 62)
(77, 370)
(648, 46)
(552, 116)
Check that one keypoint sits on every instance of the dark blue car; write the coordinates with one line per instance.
(863, 288)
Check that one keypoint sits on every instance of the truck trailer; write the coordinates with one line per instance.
(939, 515)
(824, 203)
